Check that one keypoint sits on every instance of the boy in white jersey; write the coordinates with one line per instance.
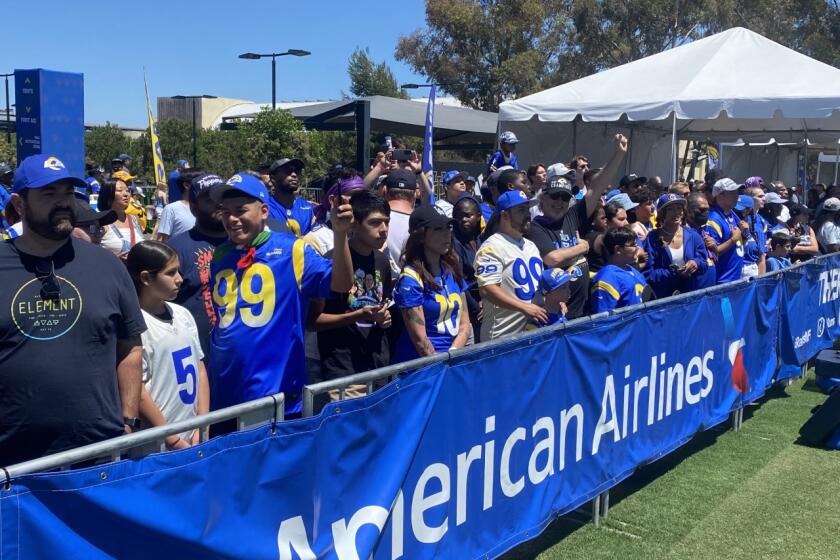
(508, 268)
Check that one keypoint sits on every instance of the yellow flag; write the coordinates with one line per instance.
(157, 158)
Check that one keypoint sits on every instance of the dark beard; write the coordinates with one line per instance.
(54, 227)
(210, 224)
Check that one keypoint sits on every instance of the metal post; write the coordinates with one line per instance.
(308, 402)
(273, 82)
(674, 148)
(605, 504)
(8, 119)
(836, 160)
(195, 156)
(362, 112)
(596, 511)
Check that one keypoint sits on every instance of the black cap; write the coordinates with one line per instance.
(627, 179)
(203, 183)
(428, 217)
(558, 185)
(84, 214)
(713, 176)
(401, 179)
(284, 162)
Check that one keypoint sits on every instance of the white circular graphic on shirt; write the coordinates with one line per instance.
(42, 319)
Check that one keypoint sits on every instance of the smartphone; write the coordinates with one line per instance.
(388, 142)
(402, 155)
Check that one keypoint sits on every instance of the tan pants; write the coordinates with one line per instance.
(350, 392)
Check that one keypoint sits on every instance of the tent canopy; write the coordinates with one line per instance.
(735, 85)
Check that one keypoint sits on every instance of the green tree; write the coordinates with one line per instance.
(7, 151)
(501, 49)
(491, 50)
(369, 78)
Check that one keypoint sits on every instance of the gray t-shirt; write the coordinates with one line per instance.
(176, 218)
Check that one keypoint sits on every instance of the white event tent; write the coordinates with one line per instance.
(736, 86)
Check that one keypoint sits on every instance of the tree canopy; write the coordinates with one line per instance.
(493, 50)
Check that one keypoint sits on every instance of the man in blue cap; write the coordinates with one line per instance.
(68, 315)
(755, 242)
(174, 186)
(454, 184)
(298, 214)
(261, 282)
(508, 268)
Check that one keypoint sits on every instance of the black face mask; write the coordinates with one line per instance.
(700, 218)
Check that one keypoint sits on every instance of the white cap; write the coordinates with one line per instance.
(774, 198)
(724, 185)
(831, 204)
(508, 137)
(557, 170)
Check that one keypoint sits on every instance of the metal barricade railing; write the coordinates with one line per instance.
(270, 409)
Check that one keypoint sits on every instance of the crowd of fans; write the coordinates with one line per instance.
(241, 289)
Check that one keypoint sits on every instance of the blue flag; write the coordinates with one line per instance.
(428, 162)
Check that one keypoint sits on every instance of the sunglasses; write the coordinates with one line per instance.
(560, 195)
(50, 288)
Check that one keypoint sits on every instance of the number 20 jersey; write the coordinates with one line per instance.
(517, 267)
(257, 344)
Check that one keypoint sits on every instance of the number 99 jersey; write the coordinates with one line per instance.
(257, 344)
(517, 267)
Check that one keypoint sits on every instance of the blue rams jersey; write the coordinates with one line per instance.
(615, 287)
(441, 309)
(755, 243)
(498, 160)
(300, 218)
(257, 345)
(553, 319)
(719, 227)
(777, 263)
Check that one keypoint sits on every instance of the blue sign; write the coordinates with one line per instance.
(461, 459)
(811, 320)
(50, 116)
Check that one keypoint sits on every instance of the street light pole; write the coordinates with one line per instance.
(194, 122)
(273, 56)
(8, 111)
(273, 83)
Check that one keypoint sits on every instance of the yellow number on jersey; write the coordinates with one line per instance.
(447, 308)
(227, 290)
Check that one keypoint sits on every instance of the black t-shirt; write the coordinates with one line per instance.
(358, 348)
(195, 251)
(562, 234)
(58, 357)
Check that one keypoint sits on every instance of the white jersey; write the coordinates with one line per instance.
(517, 267)
(171, 353)
(445, 207)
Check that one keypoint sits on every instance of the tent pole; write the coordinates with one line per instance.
(836, 159)
(674, 148)
(574, 137)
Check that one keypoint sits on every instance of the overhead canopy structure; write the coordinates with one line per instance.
(455, 128)
(735, 85)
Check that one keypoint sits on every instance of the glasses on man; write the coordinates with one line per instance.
(560, 195)
(50, 288)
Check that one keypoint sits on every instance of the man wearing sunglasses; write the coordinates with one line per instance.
(70, 361)
(558, 233)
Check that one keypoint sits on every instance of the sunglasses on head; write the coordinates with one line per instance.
(50, 288)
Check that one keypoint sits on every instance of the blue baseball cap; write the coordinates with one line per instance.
(452, 176)
(244, 182)
(623, 200)
(42, 170)
(744, 201)
(668, 199)
(553, 278)
(182, 163)
(511, 199)
(612, 193)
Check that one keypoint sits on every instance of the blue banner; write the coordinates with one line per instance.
(811, 318)
(50, 116)
(462, 459)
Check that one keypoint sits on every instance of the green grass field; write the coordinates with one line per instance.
(755, 493)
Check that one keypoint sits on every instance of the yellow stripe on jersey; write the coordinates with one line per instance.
(716, 227)
(294, 226)
(485, 249)
(411, 273)
(607, 287)
(297, 261)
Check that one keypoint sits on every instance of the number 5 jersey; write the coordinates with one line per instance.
(259, 297)
(514, 265)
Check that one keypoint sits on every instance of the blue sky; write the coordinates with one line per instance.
(191, 48)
